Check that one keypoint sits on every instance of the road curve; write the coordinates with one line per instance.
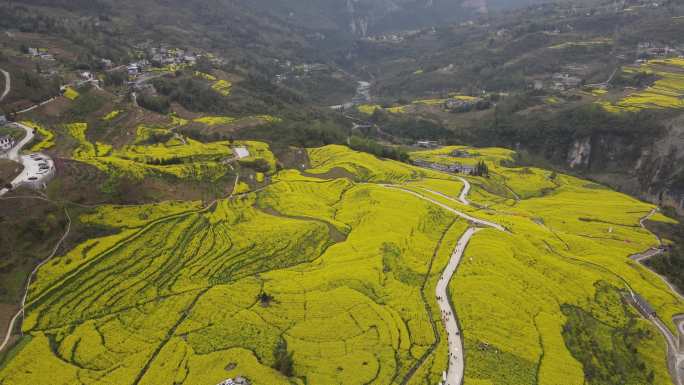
(13, 153)
(675, 355)
(461, 214)
(456, 362)
(456, 366)
(464, 192)
(8, 84)
(652, 252)
(32, 173)
(675, 350)
(14, 319)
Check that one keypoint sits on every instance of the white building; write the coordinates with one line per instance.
(241, 152)
(6, 143)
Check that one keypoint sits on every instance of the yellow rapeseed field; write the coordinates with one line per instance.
(342, 268)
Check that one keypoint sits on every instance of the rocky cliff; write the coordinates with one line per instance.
(649, 168)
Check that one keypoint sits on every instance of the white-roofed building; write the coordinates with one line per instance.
(241, 152)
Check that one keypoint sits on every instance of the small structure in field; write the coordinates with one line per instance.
(239, 380)
(427, 144)
(241, 152)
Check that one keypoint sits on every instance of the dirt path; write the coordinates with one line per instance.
(14, 319)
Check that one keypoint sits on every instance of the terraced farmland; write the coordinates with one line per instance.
(158, 151)
(666, 92)
(338, 266)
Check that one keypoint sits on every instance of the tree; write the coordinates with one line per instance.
(265, 299)
(283, 361)
(481, 169)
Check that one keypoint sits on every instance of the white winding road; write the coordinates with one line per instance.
(461, 214)
(464, 192)
(8, 84)
(32, 172)
(456, 362)
(456, 366)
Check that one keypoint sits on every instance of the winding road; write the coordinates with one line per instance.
(461, 214)
(8, 84)
(675, 344)
(456, 362)
(31, 165)
(456, 366)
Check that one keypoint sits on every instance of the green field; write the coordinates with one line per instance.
(336, 270)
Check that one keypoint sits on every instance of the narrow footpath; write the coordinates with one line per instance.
(20, 313)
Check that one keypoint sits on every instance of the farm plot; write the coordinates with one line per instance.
(666, 92)
(157, 151)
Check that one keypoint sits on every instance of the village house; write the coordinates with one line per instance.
(427, 143)
(241, 152)
(538, 85)
(461, 154)
(562, 82)
(456, 168)
(133, 69)
(650, 49)
(6, 143)
(239, 380)
(47, 56)
(461, 105)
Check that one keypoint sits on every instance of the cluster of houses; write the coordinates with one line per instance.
(398, 37)
(163, 56)
(465, 105)
(41, 53)
(298, 71)
(647, 50)
(565, 81)
(558, 82)
(456, 168)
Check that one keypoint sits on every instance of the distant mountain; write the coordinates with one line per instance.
(367, 17)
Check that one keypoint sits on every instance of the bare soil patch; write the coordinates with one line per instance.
(9, 170)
